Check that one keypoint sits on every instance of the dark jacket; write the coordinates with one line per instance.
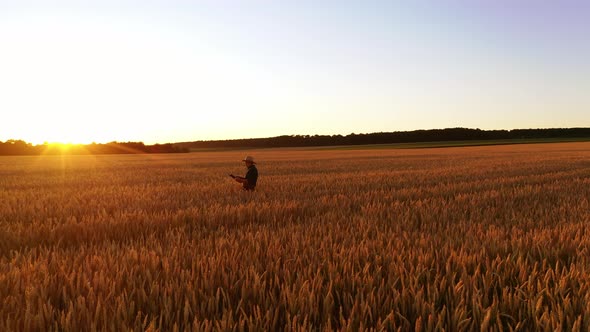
(251, 177)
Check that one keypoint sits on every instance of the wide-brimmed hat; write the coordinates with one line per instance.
(249, 159)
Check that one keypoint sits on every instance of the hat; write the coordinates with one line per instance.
(249, 159)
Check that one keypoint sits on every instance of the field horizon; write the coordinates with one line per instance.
(421, 138)
(413, 145)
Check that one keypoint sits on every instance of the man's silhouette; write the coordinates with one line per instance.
(248, 181)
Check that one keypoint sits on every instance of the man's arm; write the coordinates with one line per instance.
(240, 179)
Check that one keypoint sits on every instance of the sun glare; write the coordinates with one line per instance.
(62, 143)
(57, 135)
(61, 147)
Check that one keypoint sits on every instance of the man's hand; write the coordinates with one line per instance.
(238, 178)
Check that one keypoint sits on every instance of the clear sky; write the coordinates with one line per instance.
(169, 71)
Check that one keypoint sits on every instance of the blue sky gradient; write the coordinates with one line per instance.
(166, 71)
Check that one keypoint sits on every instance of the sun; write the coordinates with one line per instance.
(62, 147)
(62, 143)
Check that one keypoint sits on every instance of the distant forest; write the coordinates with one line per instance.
(18, 147)
(433, 135)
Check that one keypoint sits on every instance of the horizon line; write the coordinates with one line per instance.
(47, 143)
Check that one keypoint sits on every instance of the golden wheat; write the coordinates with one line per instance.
(490, 238)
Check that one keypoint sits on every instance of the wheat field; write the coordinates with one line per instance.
(457, 239)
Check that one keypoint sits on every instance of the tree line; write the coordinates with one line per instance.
(19, 147)
(416, 136)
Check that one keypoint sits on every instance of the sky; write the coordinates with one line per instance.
(173, 71)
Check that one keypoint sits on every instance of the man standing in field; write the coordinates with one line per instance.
(248, 181)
